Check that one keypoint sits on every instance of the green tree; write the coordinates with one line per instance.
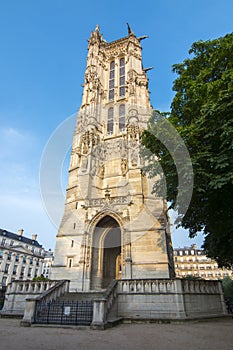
(227, 285)
(40, 278)
(202, 113)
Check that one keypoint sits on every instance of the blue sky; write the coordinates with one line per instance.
(42, 63)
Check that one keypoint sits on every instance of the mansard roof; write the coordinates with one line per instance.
(16, 237)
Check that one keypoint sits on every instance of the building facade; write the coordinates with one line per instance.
(47, 263)
(21, 258)
(191, 261)
(113, 227)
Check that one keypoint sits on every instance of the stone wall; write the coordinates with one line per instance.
(17, 293)
(202, 298)
(169, 299)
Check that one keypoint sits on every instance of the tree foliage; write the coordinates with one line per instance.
(227, 284)
(40, 278)
(202, 113)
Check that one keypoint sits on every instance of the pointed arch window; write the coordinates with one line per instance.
(122, 78)
(110, 121)
(111, 80)
(122, 117)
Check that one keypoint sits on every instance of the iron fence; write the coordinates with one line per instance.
(64, 312)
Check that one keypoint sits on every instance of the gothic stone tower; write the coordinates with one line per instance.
(113, 227)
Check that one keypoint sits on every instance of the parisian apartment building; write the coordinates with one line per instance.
(191, 261)
(47, 263)
(21, 258)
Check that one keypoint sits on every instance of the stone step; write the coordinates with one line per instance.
(114, 321)
(81, 296)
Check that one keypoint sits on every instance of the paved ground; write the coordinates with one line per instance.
(208, 335)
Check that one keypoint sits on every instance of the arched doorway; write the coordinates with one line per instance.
(106, 253)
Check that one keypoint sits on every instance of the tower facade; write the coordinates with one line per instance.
(112, 227)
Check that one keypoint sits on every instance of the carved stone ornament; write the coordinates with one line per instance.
(124, 166)
(96, 37)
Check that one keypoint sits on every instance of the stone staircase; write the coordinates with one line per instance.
(81, 296)
(57, 305)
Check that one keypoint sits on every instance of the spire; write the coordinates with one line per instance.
(95, 35)
(97, 28)
(130, 32)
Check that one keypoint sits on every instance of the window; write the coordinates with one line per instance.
(70, 262)
(7, 268)
(110, 121)
(17, 257)
(122, 77)
(9, 256)
(29, 272)
(11, 243)
(24, 258)
(122, 117)
(3, 242)
(22, 271)
(1, 253)
(111, 80)
(72, 243)
(4, 281)
(180, 252)
(14, 269)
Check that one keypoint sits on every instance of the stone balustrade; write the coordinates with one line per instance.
(103, 306)
(58, 289)
(146, 286)
(54, 292)
(169, 298)
(201, 286)
(168, 286)
(18, 292)
(29, 287)
(135, 299)
(159, 299)
(111, 296)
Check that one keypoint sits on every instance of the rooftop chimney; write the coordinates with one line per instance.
(20, 232)
(34, 236)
